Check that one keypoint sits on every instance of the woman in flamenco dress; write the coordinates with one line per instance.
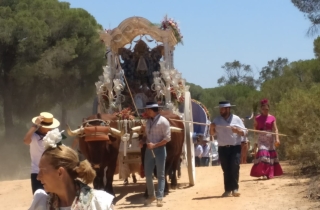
(266, 162)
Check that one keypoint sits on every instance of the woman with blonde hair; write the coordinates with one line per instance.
(65, 180)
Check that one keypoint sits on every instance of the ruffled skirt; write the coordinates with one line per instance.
(266, 162)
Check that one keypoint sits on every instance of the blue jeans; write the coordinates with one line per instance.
(159, 161)
(205, 161)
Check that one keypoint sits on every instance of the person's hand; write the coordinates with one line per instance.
(151, 145)
(235, 130)
(140, 144)
(277, 142)
(39, 120)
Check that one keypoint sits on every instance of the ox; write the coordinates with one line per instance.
(99, 142)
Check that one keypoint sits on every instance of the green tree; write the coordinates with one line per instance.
(274, 69)
(237, 73)
(195, 91)
(311, 9)
(49, 52)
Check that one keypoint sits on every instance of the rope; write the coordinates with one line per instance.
(257, 131)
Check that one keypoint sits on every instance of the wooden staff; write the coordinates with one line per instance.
(257, 131)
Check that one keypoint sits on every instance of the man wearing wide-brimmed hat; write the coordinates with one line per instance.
(158, 134)
(41, 125)
(229, 129)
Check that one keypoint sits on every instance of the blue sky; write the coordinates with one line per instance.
(218, 31)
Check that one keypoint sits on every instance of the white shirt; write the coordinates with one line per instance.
(224, 134)
(198, 150)
(36, 151)
(100, 201)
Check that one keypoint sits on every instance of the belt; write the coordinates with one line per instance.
(229, 145)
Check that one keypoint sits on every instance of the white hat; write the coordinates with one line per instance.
(48, 120)
(223, 104)
(150, 105)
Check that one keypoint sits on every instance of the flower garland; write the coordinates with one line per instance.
(204, 108)
(125, 114)
(179, 99)
(169, 23)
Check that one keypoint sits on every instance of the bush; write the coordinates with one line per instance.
(299, 117)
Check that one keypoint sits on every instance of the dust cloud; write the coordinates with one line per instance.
(15, 161)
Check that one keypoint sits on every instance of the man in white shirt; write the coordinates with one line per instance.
(229, 129)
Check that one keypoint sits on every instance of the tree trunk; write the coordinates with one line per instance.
(7, 107)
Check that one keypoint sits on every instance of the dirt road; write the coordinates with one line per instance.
(281, 193)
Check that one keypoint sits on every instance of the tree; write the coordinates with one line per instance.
(237, 73)
(274, 69)
(311, 9)
(195, 91)
(49, 49)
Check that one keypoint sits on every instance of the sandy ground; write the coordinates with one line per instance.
(281, 193)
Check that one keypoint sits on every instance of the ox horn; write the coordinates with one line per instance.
(175, 129)
(136, 129)
(115, 132)
(75, 132)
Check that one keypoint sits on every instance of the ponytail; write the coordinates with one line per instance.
(85, 172)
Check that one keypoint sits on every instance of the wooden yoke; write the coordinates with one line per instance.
(96, 133)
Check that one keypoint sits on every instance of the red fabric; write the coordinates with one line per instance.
(266, 164)
(265, 122)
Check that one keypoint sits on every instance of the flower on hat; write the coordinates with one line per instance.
(264, 101)
(53, 138)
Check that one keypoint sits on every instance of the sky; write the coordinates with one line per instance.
(218, 31)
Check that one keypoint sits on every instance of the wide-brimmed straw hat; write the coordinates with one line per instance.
(150, 105)
(224, 104)
(48, 120)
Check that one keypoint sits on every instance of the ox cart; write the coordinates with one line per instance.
(150, 75)
(140, 68)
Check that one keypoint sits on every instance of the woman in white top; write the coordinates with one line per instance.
(60, 173)
(41, 125)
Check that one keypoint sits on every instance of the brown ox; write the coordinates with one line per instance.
(174, 148)
(102, 153)
(102, 149)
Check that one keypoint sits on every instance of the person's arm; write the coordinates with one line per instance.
(167, 133)
(212, 129)
(255, 125)
(275, 130)
(28, 137)
(239, 130)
